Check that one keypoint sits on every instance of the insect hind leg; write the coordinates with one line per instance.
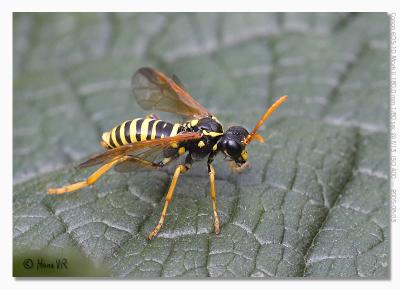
(89, 181)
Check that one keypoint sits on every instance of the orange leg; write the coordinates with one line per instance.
(213, 198)
(179, 169)
(89, 181)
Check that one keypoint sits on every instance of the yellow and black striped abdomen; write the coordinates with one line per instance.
(139, 129)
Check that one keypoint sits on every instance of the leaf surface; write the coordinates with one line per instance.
(315, 200)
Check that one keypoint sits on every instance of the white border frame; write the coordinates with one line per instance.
(9, 6)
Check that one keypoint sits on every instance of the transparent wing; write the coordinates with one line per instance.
(145, 150)
(142, 161)
(155, 91)
(129, 166)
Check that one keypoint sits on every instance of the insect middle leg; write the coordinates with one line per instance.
(179, 169)
(90, 180)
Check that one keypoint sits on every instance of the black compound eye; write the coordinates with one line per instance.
(233, 148)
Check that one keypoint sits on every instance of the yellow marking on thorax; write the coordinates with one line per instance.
(122, 133)
(214, 148)
(181, 150)
(175, 129)
(174, 145)
(217, 120)
(212, 133)
(153, 130)
(114, 137)
(144, 129)
(132, 130)
(200, 144)
(193, 122)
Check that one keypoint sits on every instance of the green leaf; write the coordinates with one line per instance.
(314, 201)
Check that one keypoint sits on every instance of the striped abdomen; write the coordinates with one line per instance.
(139, 129)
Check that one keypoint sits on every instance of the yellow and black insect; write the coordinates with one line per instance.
(154, 143)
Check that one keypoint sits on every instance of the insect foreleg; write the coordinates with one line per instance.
(233, 167)
(211, 173)
(90, 180)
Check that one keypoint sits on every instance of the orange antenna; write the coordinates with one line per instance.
(271, 109)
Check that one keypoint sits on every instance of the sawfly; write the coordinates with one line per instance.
(154, 143)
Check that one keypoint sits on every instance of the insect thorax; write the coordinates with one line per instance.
(212, 131)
